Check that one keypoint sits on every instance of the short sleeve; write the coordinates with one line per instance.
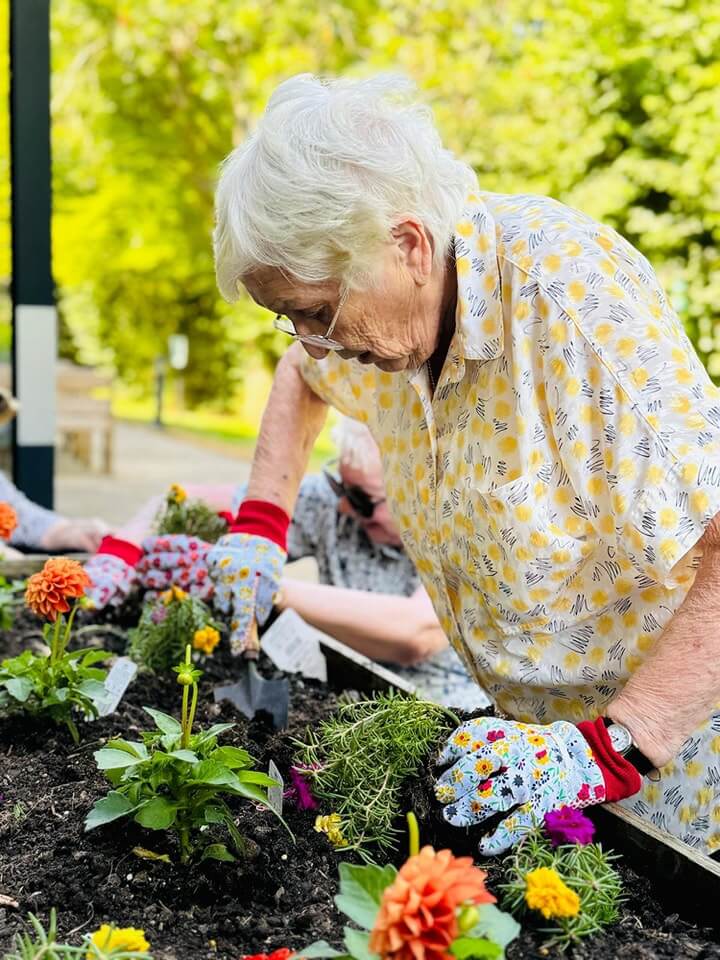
(343, 384)
(635, 417)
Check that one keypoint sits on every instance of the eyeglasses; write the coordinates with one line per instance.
(323, 341)
(359, 499)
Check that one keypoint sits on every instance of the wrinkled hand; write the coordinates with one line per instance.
(175, 559)
(246, 571)
(112, 580)
(83, 534)
(499, 765)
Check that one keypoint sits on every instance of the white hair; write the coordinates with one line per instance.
(356, 445)
(331, 168)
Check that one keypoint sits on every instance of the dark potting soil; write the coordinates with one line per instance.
(282, 896)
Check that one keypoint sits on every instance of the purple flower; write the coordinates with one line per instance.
(300, 790)
(568, 825)
(158, 614)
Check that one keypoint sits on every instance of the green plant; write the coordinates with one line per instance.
(10, 599)
(177, 780)
(41, 944)
(584, 868)
(57, 684)
(192, 517)
(159, 639)
(19, 811)
(359, 760)
(435, 898)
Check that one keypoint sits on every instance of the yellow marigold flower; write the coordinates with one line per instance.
(174, 593)
(546, 892)
(330, 825)
(206, 640)
(109, 939)
(177, 494)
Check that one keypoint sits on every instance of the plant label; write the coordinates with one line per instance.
(294, 647)
(117, 681)
(275, 794)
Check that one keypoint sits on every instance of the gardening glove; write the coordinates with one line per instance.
(178, 559)
(112, 572)
(245, 566)
(501, 766)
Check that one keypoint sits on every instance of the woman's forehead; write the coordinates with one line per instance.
(271, 288)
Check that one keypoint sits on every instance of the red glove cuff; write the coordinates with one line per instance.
(228, 517)
(262, 519)
(127, 551)
(621, 778)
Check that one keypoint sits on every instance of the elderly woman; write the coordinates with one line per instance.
(550, 443)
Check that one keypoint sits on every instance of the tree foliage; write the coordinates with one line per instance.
(609, 106)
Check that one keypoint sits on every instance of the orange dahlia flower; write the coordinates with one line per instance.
(8, 521)
(60, 580)
(417, 919)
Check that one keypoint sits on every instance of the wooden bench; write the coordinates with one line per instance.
(84, 423)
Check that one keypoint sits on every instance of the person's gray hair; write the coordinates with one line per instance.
(331, 168)
(355, 444)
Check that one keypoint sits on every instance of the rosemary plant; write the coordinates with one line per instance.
(359, 760)
(584, 868)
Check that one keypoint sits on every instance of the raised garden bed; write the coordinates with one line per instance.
(283, 895)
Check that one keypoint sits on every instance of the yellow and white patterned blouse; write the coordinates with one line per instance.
(553, 489)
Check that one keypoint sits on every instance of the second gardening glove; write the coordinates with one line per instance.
(112, 572)
(530, 769)
(175, 558)
(246, 566)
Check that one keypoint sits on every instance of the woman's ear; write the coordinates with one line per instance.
(415, 247)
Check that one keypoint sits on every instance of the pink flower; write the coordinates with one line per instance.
(300, 791)
(493, 735)
(568, 825)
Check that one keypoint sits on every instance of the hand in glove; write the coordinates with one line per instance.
(178, 559)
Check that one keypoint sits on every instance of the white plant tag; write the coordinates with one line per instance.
(275, 794)
(117, 681)
(294, 647)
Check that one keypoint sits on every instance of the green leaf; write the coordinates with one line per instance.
(109, 808)
(361, 889)
(93, 690)
(356, 942)
(110, 758)
(494, 924)
(466, 947)
(157, 814)
(232, 757)
(19, 687)
(320, 950)
(213, 774)
(217, 851)
(214, 731)
(187, 755)
(164, 722)
(257, 777)
(213, 814)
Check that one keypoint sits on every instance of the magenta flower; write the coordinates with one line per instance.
(568, 825)
(300, 791)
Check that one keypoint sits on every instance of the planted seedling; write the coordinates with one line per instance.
(192, 517)
(359, 760)
(177, 780)
(159, 639)
(56, 684)
(10, 600)
(107, 943)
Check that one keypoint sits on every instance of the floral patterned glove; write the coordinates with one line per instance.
(112, 571)
(246, 570)
(175, 559)
(500, 765)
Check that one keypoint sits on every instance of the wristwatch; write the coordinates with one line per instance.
(623, 743)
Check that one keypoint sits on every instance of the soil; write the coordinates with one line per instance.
(283, 896)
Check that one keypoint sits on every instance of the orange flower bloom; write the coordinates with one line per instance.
(8, 521)
(417, 919)
(60, 580)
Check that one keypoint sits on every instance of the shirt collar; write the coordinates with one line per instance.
(479, 316)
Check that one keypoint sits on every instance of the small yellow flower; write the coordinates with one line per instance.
(536, 740)
(173, 593)
(461, 739)
(484, 767)
(444, 793)
(176, 494)
(206, 640)
(110, 939)
(331, 827)
(546, 892)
